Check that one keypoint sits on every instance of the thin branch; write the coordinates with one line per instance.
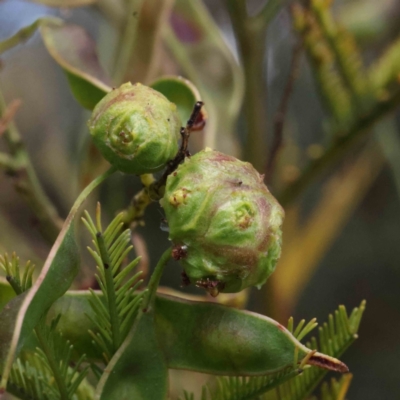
(183, 150)
(280, 115)
(26, 182)
(345, 140)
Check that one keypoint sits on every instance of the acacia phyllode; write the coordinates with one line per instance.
(223, 222)
(136, 129)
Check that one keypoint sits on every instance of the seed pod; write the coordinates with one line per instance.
(227, 341)
(136, 129)
(224, 223)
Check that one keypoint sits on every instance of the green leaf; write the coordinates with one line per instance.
(180, 91)
(336, 389)
(215, 339)
(228, 341)
(6, 293)
(24, 312)
(140, 371)
(75, 51)
(197, 44)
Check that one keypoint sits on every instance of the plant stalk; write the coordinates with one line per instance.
(252, 40)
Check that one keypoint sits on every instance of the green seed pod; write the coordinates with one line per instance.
(136, 129)
(224, 223)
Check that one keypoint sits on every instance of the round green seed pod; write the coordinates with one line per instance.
(136, 129)
(224, 223)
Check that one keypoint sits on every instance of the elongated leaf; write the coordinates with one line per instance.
(198, 336)
(21, 36)
(75, 51)
(197, 44)
(54, 280)
(138, 58)
(180, 91)
(224, 341)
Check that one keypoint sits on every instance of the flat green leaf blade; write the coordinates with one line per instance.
(140, 371)
(196, 42)
(75, 51)
(207, 337)
(201, 337)
(180, 91)
(55, 278)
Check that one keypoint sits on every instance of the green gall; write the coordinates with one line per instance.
(223, 222)
(136, 129)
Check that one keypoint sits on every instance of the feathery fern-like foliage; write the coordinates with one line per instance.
(55, 355)
(47, 374)
(19, 281)
(116, 311)
(32, 380)
(335, 336)
(336, 389)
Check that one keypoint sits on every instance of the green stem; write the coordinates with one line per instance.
(155, 279)
(21, 36)
(27, 183)
(252, 40)
(112, 304)
(88, 189)
(127, 41)
(135, 211)
(54, 365)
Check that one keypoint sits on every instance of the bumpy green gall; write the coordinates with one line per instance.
(136, 129)
(224, 223)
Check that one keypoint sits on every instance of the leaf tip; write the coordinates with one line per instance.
(327, 362)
